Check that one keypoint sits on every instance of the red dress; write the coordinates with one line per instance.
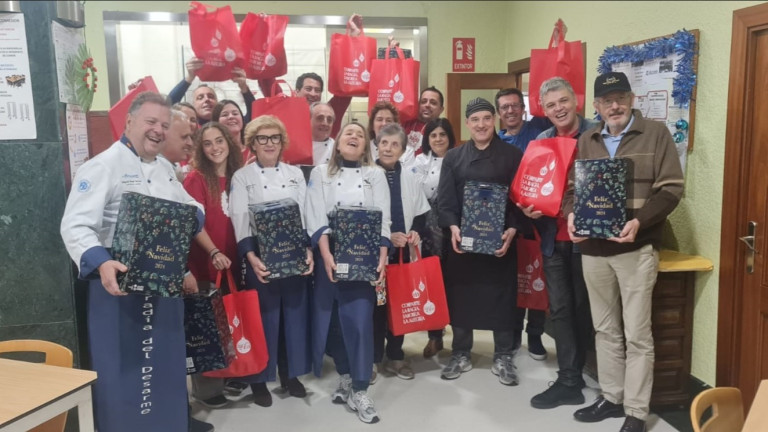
(217, 225)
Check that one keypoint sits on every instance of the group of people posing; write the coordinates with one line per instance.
(211, 155)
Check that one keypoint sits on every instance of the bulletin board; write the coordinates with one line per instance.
(662, 72)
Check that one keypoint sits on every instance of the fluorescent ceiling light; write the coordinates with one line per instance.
(378, 30)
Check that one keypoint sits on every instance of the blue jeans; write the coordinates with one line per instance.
(569, 311)
(336, 348)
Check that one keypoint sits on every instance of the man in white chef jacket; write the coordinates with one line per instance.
(137, 342)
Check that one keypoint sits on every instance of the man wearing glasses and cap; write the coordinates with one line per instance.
(620, 272)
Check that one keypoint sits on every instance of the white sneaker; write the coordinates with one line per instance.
(341, 393)
(363, 405)
(504, 368)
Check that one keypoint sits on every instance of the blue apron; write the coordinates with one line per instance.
(138, 351)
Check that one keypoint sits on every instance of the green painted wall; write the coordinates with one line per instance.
(508, 30)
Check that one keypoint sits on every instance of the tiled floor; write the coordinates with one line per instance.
(476, 402)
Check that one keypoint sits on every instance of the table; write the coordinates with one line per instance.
(33, 393)
(757, 419)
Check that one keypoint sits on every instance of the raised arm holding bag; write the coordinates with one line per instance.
(262, 39)
(563, 59)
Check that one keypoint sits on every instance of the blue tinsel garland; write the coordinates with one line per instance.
(682, 42)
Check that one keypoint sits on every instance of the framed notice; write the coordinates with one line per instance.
(17, 109)
(662, 72)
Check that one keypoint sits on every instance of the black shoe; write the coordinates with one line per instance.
(633, 424)
(217, 401)
(261, 395)
(295, 388)
(580, 383)
(598, 411)
(535, 348)
(235, 387)
(558, 394)
(196, 425)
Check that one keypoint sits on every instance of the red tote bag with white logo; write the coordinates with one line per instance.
(262, 39)
(395, 80)
(294, 113)
(531, 284)
(215, 41)
(119, 112)
(416, 295)
(244, 317)
(543, 174)
(349, 64)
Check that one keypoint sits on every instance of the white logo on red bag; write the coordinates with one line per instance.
(214, 42)
(538, 284)
(529, 268)
(243, 346)
(398, 97)
(429, 307)
(271, 60)
(365, 76)
(356, 63)
(422, 287)
(415, 294)
(391, 83)
(536, 263)
(229, 55)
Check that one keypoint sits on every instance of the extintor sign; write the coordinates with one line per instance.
(463, 54)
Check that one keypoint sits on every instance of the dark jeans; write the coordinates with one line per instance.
(503, 341)
(535, 321)
(569, 310)
(334, 347)
(380, 333)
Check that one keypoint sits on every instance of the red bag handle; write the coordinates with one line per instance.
(230, 280)
(201, 8)
(276, 86)
(558, 34)
(413, 249)
(398, 50)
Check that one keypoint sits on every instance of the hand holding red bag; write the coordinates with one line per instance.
(562, 59)
(416, 295)
(543, 174)
(119, 112)
(244, 316)
(531, 284)
(293, 111)
(395, 80)
(215, 41)
(262, 37)
(349, 63)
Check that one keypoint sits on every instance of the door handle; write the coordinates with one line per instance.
(749, 240)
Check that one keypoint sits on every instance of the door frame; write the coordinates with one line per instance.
(738, 152)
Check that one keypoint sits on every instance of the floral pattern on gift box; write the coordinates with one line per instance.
(483, 216)
(152, 238)
(282, 240)
(600, 197)
(356, 238)
(208, 340)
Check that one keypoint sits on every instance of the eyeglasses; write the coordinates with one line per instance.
(265, 139)
(608, 102)
(513, 106)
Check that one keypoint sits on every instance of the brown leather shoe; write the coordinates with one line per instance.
(433, 347)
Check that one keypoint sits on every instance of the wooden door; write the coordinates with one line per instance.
(474, 81)
(742, 355)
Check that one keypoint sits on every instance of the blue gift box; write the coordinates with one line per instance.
(208, 339)
(600, 197)
(483, 216)
(356, 242)
(282, 240)
(152, 238)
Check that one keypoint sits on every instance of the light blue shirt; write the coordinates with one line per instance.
(612, 142)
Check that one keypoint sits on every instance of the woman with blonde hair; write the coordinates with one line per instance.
(284, 302)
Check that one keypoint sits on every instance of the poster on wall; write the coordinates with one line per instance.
(662, 73)
(17, 109)
(66, 42)
(463, 54)
(77, 138)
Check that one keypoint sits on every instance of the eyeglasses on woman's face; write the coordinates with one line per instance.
(276, 139)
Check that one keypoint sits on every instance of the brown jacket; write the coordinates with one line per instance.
(654, 186)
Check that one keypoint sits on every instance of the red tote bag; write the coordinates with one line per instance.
(543, 174)
(294, 113)
(416, 295)
(244, 316)
(214, 40)
(531, 285)
(349, 64)
(563, 59)
(395, 80)
(262, 39)
(119, 112)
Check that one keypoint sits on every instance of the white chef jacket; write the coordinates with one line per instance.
(88, 224)
(364, 186)
(414, 201)
(253, 184)
(322, 151)
(427, 167)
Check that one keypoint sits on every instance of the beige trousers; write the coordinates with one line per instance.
(620, 289)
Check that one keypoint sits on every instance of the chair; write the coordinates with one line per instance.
(55, 355)
(727, 410)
